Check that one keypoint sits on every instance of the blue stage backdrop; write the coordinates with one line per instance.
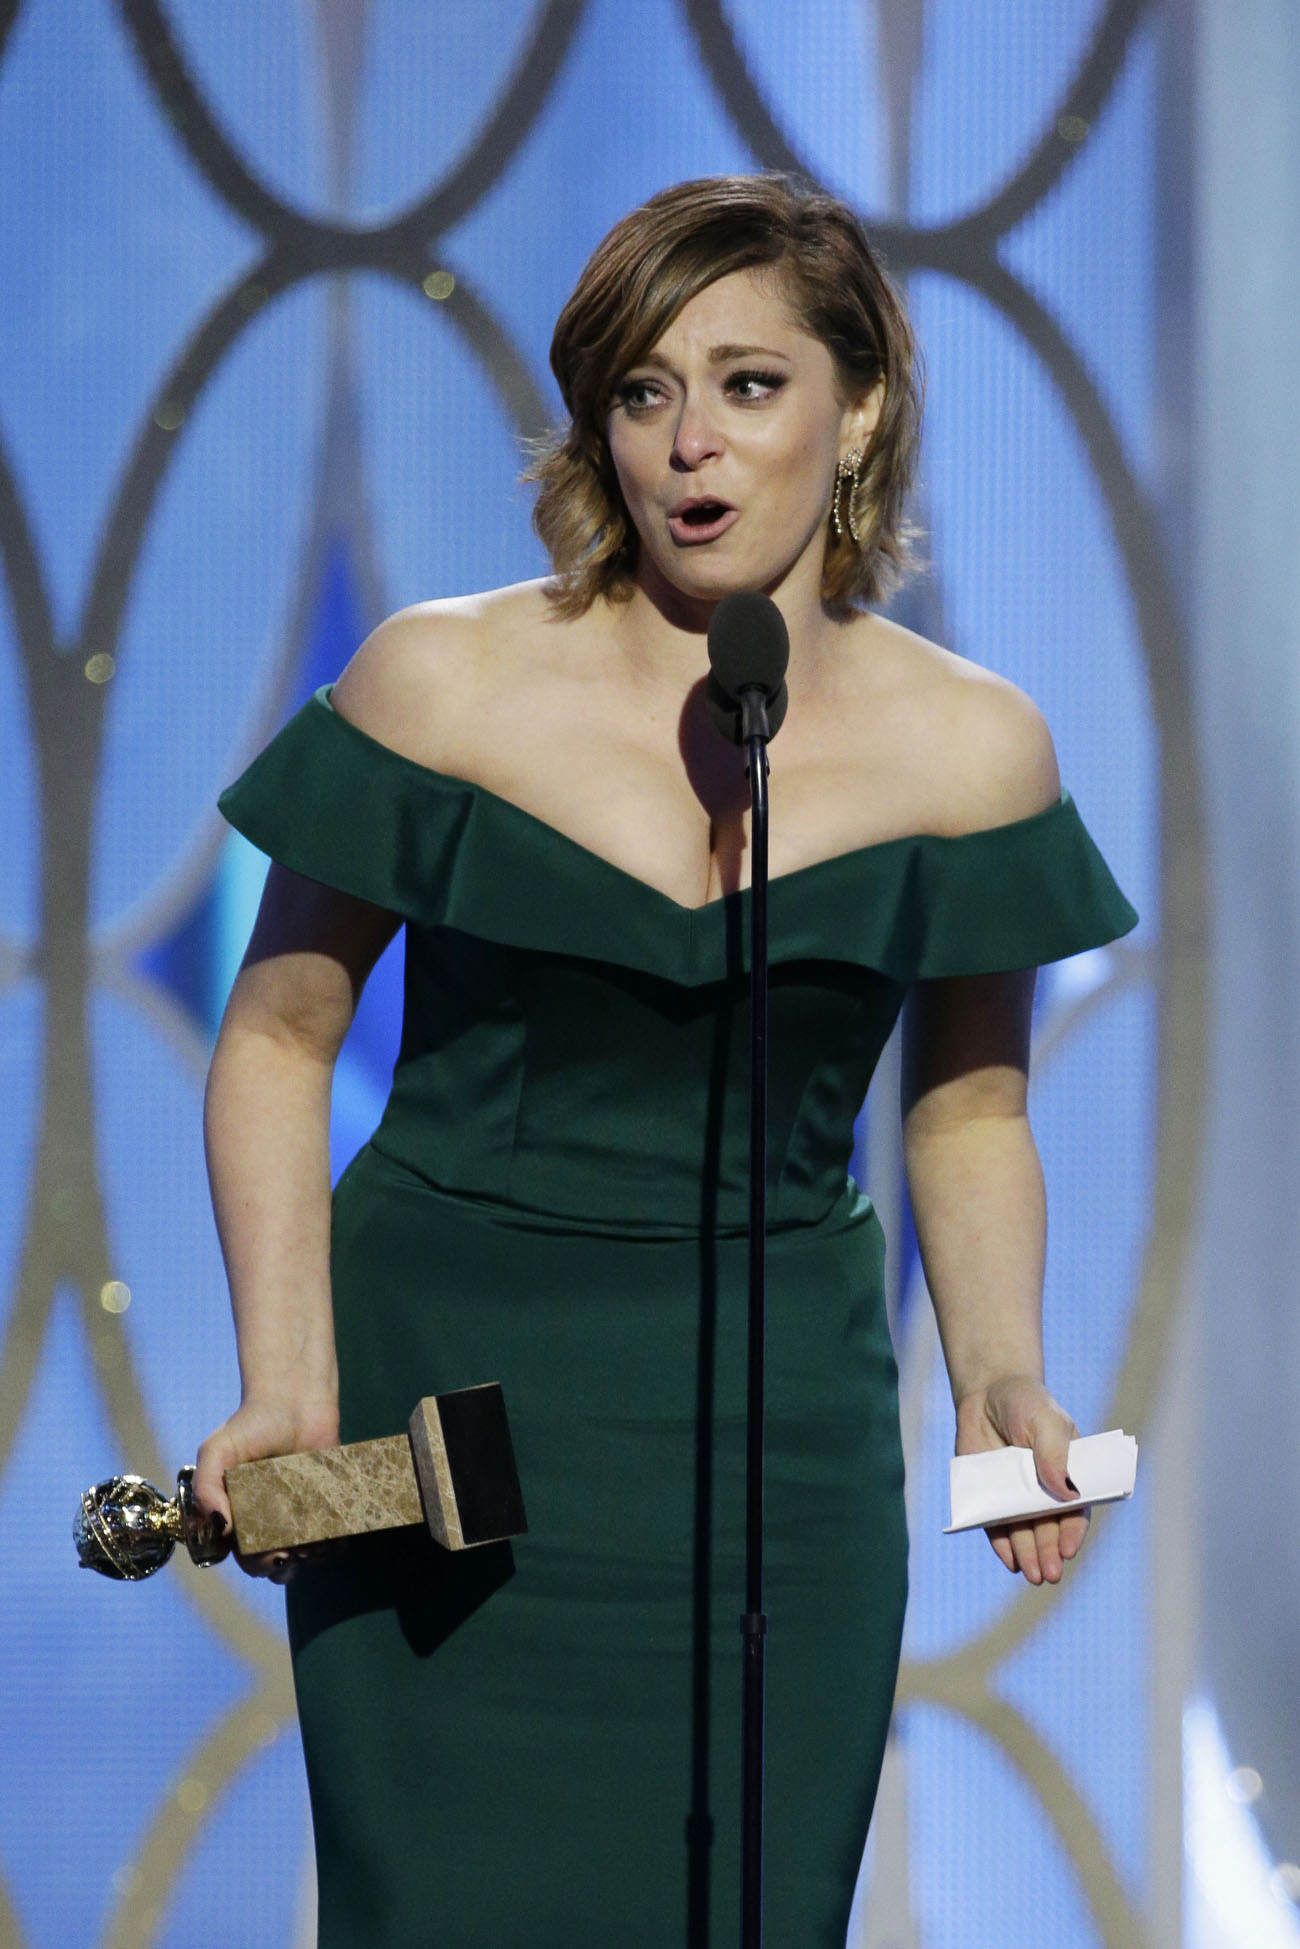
(279, 284)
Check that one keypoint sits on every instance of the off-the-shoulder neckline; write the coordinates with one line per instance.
(601, 860)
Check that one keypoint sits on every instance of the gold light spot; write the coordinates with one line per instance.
(114, 1296)
(168, 414)
(100, 667)
(192, 1796)
(439, 284)
(1073, 128)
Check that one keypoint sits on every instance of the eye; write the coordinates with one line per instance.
(638, 395)
(754, 386)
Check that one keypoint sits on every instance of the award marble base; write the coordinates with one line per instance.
(454, 1469)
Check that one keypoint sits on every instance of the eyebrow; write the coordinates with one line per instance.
(722, 355)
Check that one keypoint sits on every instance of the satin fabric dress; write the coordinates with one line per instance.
(537, 1743)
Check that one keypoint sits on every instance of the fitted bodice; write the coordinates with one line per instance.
(574, 1042)
(594, 1091)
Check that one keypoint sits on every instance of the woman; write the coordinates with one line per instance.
(539, 1745)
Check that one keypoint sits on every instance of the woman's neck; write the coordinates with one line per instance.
(665, 645)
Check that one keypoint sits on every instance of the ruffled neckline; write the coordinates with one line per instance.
(509, 808)
(336, 805)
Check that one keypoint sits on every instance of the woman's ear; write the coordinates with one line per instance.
(863, 417)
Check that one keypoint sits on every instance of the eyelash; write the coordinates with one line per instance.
(772, 380)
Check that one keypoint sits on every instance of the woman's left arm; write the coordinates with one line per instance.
(977, 1196)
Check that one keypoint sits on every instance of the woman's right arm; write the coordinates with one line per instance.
(266, 1130)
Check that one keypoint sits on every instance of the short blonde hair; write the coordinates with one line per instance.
(636, 281)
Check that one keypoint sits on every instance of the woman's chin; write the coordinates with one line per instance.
(697, 580)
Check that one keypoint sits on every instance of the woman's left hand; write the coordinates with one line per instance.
(1018, 1412)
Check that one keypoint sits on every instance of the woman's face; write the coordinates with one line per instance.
(725, 439)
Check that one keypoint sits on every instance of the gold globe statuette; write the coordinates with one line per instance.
(126, 1528)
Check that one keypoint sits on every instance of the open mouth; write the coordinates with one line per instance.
(701, 520)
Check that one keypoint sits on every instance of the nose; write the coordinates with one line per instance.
(696, 436)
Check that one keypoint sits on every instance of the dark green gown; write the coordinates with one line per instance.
(536, 1746)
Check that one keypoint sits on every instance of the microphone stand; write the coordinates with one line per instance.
(755, 732)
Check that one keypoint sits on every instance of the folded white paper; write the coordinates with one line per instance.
(1001, 1484)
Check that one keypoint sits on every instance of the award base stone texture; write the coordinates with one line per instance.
(454, 1470)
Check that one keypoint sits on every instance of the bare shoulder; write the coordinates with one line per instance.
(986, 743)
(419, 679)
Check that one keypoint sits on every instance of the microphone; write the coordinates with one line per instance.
(749, 649)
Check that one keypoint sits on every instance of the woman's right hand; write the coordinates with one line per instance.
(257, 1429)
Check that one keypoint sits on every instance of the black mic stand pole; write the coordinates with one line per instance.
(755, 732)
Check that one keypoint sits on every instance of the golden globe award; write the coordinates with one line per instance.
(453, 1471)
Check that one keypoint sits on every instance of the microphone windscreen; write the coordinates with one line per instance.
(749, 645)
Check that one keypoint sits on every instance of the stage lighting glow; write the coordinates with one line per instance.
(114, 1296)
(100, 667)
(439, 284)
(1237, 1898)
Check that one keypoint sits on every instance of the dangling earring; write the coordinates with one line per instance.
(847, 477)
